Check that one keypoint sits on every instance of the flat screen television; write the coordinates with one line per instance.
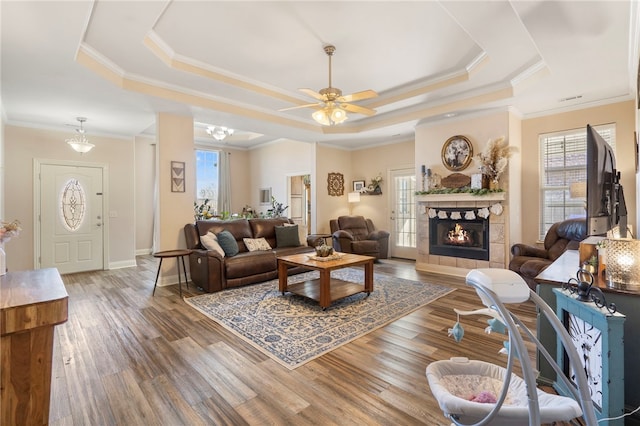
(605, 198)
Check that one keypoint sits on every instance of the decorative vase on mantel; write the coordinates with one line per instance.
(494, 184)
(486, 181)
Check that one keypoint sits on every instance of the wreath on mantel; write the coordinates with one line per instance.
(467, 214)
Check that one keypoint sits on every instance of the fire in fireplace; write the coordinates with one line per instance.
(468, 239)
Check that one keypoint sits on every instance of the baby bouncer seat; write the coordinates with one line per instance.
(504, 398)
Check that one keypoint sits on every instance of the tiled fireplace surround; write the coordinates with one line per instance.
(498, 233)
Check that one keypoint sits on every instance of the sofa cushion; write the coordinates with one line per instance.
(210, 242)
(287, 236)
(256, 244)
(250, 263)
(228, 243)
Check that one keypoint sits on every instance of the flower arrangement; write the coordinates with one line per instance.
(374, 186)
(493, 159)
(202, 211)
(277, 209)
(9, 230)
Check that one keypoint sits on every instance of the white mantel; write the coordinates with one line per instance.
(461, 197)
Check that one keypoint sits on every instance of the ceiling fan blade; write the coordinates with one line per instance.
(358, 109)
(358, 96)
(313, 94)
(317, 104)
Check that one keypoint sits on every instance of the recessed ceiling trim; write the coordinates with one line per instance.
(179, 62)
(106, 69)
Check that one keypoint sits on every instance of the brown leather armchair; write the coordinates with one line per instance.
(355, 234)
(529, 261)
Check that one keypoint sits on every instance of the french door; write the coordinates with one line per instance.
(403, 214)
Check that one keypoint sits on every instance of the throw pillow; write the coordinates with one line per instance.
(256, 244)
(287, 236)
(228, 243)
(210, 242)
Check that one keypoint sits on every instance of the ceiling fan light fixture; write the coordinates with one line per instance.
(330, 115)
(79, 142)
(219, 133)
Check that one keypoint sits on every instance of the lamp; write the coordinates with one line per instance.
(219, 133)
(353, 197)
(330, 114)
(79, 142)
(623, 261)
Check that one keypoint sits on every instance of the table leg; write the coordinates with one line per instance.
(157, 275)
(325, 289)
(368, 277)
(184, 268)
(179, 279)
(282, 276)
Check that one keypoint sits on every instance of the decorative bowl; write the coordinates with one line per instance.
(324, 250)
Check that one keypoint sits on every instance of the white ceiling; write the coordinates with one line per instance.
(237, 63)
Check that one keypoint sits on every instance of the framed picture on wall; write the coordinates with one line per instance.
(457, 153)
(359, 186)
(177, 176)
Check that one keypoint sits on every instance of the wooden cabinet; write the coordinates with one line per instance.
(31, 304)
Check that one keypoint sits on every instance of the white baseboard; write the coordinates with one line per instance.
(142, 252)
(123, 264)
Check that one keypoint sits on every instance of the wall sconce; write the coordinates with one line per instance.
(623, 261)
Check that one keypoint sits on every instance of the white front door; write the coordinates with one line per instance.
(71, 218)
(403, 214)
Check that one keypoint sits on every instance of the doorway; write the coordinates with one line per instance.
(402, 241)
(69, 226)
(300, 202)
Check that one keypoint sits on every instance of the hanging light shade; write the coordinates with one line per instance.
(79, 141)
(330, 114)
(219, 133)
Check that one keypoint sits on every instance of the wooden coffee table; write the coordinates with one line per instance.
(326, 289)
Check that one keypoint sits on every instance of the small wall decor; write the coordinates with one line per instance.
(265, 196)
(177, 176)
(457, 153)
(359, 186)
(335, 184)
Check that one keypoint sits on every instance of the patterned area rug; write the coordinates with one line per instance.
(294, 330)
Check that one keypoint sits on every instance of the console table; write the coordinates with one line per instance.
(627, 300)
(31, 304)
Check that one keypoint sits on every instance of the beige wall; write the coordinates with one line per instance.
(145, 175)
(270, 165)
(23, 144)
(367, 164)
(623, 114)
(330, 160)
(175, 143)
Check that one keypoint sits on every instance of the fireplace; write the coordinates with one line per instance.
(459, 237)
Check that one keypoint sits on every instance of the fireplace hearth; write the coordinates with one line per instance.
(463, 238)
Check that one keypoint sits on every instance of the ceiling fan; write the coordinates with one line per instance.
(332, 104)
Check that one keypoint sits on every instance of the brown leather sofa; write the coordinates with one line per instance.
(529, 261)
(213, 272)
(355, 234)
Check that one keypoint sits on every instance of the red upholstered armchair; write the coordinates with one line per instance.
(529, 261)
(355, 234)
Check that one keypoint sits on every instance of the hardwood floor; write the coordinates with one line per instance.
(127, 358)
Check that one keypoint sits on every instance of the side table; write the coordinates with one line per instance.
(177, 254)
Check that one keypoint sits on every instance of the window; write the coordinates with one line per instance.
(207, 177)
(563, 160)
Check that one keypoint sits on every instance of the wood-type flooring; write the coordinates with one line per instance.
(127, 358)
